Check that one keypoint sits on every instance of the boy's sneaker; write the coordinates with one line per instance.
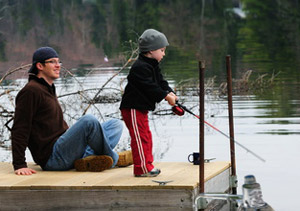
(94, 163)
(153, 173)
(125, 158)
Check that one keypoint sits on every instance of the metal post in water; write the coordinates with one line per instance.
(201, 126)
(231, 129)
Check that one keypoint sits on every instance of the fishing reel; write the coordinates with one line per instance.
(178, 110)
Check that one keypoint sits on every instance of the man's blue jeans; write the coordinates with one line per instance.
(86, 137)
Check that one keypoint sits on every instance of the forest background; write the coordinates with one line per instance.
(259, 35)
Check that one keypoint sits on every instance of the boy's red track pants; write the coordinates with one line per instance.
(141, 139)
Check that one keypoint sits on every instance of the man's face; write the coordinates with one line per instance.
(158, 54)
(49, 69)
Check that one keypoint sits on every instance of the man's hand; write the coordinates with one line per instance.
(25, 171)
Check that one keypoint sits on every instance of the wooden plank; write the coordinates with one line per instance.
(182, 175)
(114, 189)
(97, 200)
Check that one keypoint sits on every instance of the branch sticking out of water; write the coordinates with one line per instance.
(246, 86)
(131, 58)
(14, 70)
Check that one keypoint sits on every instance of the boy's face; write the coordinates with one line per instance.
(158, 54)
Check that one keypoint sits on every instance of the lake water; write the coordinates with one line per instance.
(257, 126)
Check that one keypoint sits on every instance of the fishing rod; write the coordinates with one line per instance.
(180, 113)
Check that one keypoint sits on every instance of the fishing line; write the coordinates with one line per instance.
(224, 134)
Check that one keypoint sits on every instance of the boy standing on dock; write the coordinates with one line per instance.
(146, 87)
(39, 125)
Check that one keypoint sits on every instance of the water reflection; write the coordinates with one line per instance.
(271, 115)
(259, 125)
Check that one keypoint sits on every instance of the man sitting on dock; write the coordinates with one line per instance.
(39, 125)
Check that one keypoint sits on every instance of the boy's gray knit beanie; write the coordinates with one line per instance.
(152, 40)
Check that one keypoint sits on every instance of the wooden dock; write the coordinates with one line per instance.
(113, 189)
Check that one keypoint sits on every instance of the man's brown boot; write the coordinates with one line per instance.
(94, 163)
(125, 158)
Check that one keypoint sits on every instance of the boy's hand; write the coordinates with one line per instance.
(25, 171)
(171, 93)
(171, 98)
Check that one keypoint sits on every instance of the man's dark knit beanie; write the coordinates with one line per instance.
(40, 55)
(152, 40)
